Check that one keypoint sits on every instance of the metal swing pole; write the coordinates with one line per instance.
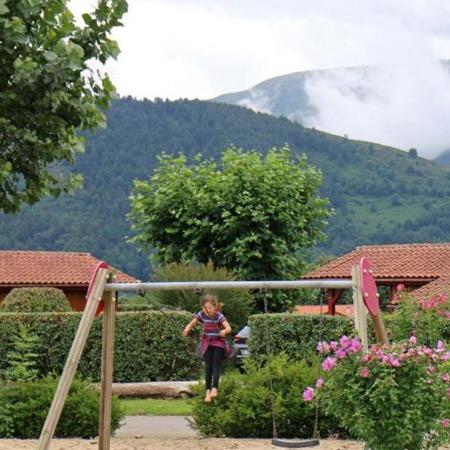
(191, 285)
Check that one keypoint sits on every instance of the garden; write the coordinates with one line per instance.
(306, 374)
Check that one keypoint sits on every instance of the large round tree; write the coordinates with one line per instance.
(257, 216)
(48, 91)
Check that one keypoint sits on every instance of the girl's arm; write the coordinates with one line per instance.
(189, 326)
(226, 328)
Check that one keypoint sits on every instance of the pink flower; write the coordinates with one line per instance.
(446, 377)
(446, 357)
(345, 342)
(355, 345)
(323, 347)
(440, 347)
(394, 361)
(333, 345)
(442, 298)
(445, 423)
(341, 354)
(308, 394)
(413, 340)
(364, 372)
(328, 364)
(319, 382)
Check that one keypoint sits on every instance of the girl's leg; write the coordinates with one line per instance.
(217, 359)
(208, 357)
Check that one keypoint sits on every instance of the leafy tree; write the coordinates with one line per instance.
(254, 215)
(48, 91)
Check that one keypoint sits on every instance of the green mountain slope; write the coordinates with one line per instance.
(443, 158)
(380, 194)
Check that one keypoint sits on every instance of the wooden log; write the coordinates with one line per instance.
(155, 389)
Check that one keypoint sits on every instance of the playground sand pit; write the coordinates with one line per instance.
(168, 444)
(171, 444)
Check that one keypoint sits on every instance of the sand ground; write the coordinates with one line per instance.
(168, 444)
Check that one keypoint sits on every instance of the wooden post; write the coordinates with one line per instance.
(72, 360)
(107, 372)
(360, 310)
(380, 330)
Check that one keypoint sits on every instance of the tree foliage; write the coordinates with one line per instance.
(359, 178)
(48, 92)
(254, 215)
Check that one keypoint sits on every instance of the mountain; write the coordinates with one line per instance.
(443, 158)
(386, 104)
(380, 194)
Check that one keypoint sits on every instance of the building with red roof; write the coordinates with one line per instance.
(421, 269)
(68, 271)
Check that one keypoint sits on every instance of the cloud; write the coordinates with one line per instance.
(403, 106)
(204, 48)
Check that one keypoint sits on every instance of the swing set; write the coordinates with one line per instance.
(101, 298)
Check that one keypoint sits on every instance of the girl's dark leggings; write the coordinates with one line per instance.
(213, 359)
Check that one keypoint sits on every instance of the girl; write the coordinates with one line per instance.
(213, 345)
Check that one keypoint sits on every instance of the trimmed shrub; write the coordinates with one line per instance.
(29, 300)
(24, 407)
(295, 335)
(148, 346)
(244, 406)
(238, 304)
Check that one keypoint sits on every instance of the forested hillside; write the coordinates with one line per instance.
(380, 194)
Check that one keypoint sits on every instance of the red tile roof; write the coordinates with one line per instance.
(433, 289)
(409, 261)
(50, 268)
(341, 310)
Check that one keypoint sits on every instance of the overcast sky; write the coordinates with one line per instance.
(204, 48)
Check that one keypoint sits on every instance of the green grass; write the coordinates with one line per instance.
(156, 407)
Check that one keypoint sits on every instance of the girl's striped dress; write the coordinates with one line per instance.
(211, 332)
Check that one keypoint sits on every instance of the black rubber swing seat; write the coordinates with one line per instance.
(295, 443)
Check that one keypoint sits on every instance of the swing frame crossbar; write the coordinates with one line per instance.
(102, 291)
(190, 285)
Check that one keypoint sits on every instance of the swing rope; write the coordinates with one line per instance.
(291, 443)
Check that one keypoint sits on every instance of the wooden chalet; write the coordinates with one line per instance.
(423, 270)
(67, 271)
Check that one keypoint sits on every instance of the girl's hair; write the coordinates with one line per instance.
(210, 298)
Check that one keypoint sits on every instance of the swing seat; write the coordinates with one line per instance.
(295, 443)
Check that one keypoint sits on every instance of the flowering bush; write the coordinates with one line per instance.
(428, 319)
(391, 398)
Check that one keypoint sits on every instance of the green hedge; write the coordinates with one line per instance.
(243, 408)
(29, 300)
(148, 345)
(24, 407)
(295, 335)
